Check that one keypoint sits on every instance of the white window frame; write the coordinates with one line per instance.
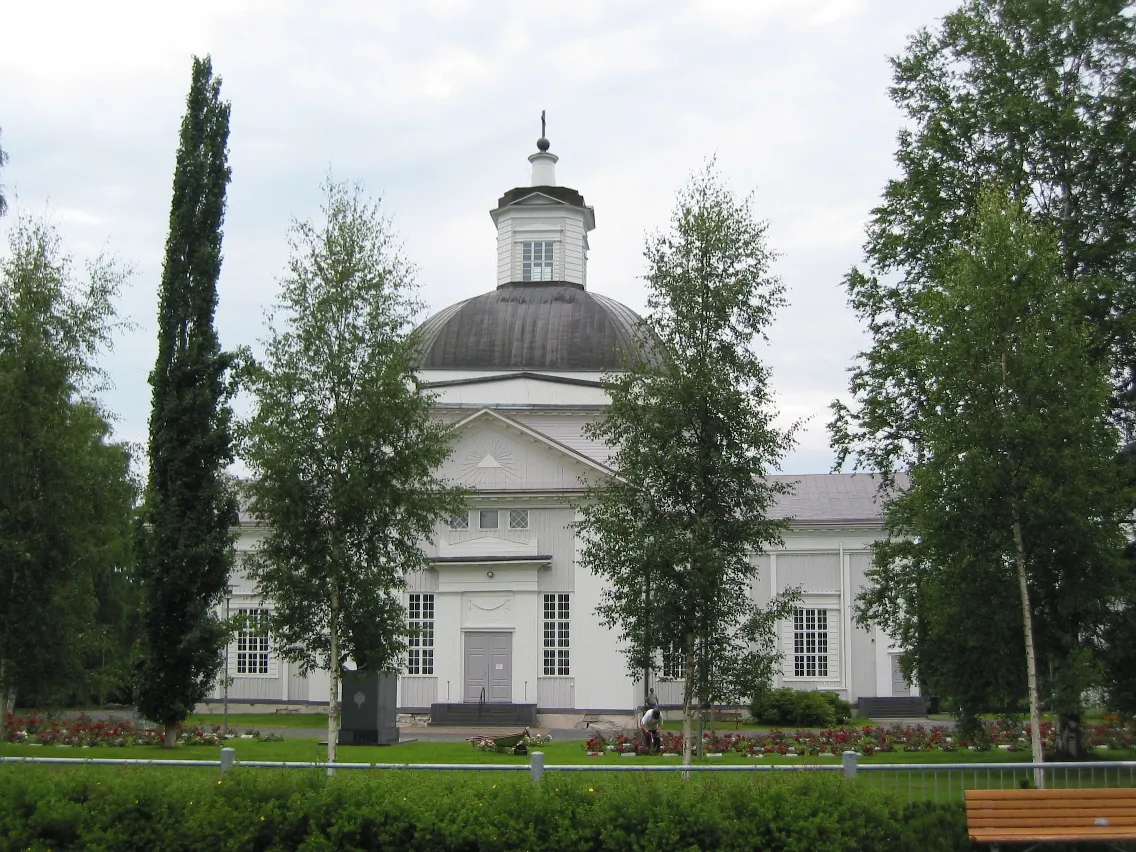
(557, 657)
(420, 638)
(459, 521)
(538, 260)
(518, 519)
(810, 652)
(673, 666)
(481, 519)
(253, 646)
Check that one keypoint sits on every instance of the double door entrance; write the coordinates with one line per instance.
(489, 667)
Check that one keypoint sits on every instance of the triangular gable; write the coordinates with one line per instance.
(537, 198)
(488, 461)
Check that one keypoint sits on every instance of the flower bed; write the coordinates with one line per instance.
(1109, 733)
(84, 731)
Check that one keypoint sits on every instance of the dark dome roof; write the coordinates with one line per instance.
(530, 326)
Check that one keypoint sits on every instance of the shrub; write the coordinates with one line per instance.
(107, 808)
(799, 707)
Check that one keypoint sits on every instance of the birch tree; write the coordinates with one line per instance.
(342, 448)
(1014, 487)
(66, 496)
(1039, 96)
(693, 436)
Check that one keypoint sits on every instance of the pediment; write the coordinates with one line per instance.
(487, 546)
(537, 198)
(494, 453)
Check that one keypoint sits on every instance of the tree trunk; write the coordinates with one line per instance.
(1027, 617)
(333, 690)
(4, 699)
(1031, 656)
(171, 736)
(1070, 743)
(688, 708)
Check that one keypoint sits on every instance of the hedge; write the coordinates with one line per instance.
(183, 809)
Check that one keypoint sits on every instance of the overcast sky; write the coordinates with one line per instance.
(435, 105)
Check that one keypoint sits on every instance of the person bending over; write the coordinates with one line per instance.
(650, 724)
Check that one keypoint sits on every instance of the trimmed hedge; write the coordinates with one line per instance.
(181, 809)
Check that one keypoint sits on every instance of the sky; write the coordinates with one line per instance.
(434, 106)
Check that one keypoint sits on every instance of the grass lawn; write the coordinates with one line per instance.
(243, 721)
(309, 750)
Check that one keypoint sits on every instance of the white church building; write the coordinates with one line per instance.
(505, 618)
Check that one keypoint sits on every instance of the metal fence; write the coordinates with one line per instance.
(937, 782)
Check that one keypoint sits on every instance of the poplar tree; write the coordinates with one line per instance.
(674, 532)
(186, 552)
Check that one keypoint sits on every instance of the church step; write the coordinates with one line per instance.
(502, 715)
(892, 707)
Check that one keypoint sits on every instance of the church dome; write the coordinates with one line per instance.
(554, 326)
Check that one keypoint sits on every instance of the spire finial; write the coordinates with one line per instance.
(542, 143)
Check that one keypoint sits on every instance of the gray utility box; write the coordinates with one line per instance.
(369, 709)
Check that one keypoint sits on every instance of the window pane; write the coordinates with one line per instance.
(488, 519)
(518, 519)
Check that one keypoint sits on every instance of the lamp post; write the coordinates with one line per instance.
(225, 714)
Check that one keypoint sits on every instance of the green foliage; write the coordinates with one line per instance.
(342, 446)
(65, 490)
(792, 707)
(186, 547)
(259, 809)
(674, 533)
(989, 385)
(1039, 95)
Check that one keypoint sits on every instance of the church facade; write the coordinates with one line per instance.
(505, 616)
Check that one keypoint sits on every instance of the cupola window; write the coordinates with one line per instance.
(536, 261)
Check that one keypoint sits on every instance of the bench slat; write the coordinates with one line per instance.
(1050, 835)
(1114, 821)
(1101, 810)
(1041, 795)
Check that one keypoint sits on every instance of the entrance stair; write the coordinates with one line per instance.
(893, 707)
(484, 714)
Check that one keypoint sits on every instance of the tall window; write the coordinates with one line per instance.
(810, 642)
(536, 261)
(674, 666)
(420, 642)
(556, 650)
(252, 642)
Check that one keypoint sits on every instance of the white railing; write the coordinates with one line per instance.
(912, 781)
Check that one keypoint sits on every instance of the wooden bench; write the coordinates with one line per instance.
(1039, 817)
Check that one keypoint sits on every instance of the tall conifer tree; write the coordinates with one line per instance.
(187, 551)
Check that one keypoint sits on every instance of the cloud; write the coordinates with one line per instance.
(435, 105)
